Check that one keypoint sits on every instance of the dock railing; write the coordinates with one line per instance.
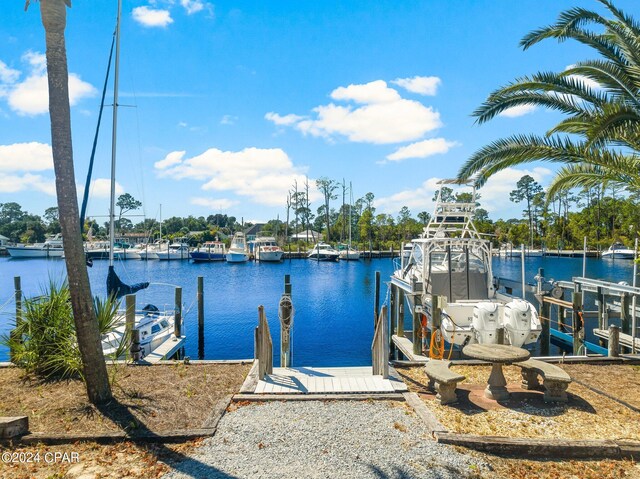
(263, 345)
(380, 345)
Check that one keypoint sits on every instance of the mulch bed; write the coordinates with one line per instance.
(587, 415)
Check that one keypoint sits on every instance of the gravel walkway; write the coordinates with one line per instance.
(315, 439)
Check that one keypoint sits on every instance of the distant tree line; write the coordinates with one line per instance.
(602, 214)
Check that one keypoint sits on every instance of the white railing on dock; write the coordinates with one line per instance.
(380, 345)
(263, 345)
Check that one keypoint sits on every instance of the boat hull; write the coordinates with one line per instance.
(206, 256)
(26, 252)
(237, 257)
(618, 254)
(269, 256)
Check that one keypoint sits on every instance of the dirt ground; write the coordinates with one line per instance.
(156, 398)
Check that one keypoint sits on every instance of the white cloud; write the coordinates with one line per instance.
(494, 195)
(8, 75)
(422, 149)
(28, 181)
(519, 110)
(228, 120)
(373, 92)
(286, 120)
(586, 81)
(263, 175)
(417, 199)
(384, 116)
(192, 6)
(215, 204)
(149, 17)
(31, 156)
(101, 188)
(420, 85)
(173, 158)
(31, 95)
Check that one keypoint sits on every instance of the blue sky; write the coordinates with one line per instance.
(228, 103)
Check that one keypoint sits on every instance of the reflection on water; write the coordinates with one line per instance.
(333, 302)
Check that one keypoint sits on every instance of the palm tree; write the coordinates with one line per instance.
(598, 142)
(53, 13)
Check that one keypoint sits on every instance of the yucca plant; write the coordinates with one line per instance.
(44, 342)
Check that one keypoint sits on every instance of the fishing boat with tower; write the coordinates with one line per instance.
(448, 285)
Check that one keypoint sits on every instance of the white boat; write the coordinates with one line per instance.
(238, 252)
(51, 248)
(323, 252)
(348, 253)
(619, 251)
(155, 328)
(451, 259)
(174, 251)
(209, 251)
(150, 251)
(126, 252)
(266, 249)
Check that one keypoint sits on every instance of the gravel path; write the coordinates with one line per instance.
(314, 439)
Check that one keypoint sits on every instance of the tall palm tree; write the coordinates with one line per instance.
(599, 140)
(53, 13)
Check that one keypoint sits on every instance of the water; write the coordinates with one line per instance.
(333, 302)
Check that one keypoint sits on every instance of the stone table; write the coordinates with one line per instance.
(497, 355)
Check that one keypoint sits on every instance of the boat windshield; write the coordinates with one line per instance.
(458, 273)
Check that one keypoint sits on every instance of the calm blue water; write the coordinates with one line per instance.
(333, 322)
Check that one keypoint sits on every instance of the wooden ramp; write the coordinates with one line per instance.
(625, 339)
(405, 346)
(165, 350)
(308, 380)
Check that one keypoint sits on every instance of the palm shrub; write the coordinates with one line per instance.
(598, 141)
(44, 341)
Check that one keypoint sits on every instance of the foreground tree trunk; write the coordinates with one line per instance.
(53, 14)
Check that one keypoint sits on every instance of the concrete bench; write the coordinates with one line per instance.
(556, 380)
(442, 380)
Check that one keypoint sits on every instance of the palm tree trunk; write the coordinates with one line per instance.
(53, 14)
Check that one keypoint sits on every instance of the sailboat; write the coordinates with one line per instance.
(348, 252)
(155, 327)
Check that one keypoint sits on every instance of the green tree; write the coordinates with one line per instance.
(126, 203)
(597, 142)
(54, 18)
(327, 188)
(527, 189)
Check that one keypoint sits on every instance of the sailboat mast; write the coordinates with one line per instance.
(160, 221)
(116, 75)
(350, 217)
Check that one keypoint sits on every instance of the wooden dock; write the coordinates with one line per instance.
(165, 350)
(309, 380)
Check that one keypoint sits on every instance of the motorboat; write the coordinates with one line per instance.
(348, 252)
(266, 248)
(150, 251)
(323, 252)
(155, 328)
(51, 248)
(619, 251)
(209, 251)
(125, 251)
(452, 260)
(238, 252)
(175, 250)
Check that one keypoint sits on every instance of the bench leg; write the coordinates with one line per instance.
(555, 391)
(431, 385)
(530, 379)
(446, 393)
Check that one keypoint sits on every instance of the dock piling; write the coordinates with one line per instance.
(577, 321)
(200, 298)
(130, 320)
(376, 304)
(285, 314)
(614, 341)
(177, 325)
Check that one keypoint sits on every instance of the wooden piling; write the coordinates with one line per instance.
(130, 322)
(135, 345)
(417, 331)
(576, 321)
(200, 298)
(376, 304)
(614, 341)
(177, 325)
(545, 320)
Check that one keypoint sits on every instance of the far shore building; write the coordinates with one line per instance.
(4, 241)
(313, 236)
(252, 232)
